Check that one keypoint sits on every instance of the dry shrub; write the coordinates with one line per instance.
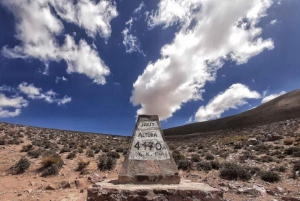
(106, 162)
(52, 163)
(288, 141)
(82, 165)
(20, 167)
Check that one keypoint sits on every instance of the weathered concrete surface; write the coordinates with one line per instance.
(185, 191)
(149, 160)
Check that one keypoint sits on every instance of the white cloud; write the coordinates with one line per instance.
(37, 93)
(131, 42)
(60, 78)
(11, 107)
(190, 120)
(272, 96)
(211, 31)
(37, 28)
(273, 22)
(7, 88)
(138, 9)
(231, 98)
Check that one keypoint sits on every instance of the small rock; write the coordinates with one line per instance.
(29, 191)
(95, 178)
(77, 183)
(19, 194)
(271, 192)
(259, 187)
(81, 191)
(65, 184)
(279, 189)
(252, 141)
(232, 186)
(50, 187)
(249, 191)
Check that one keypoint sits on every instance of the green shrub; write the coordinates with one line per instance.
(195, 158)
(113, 154)
(184, 165)
(106, 162)
(269, 176)
(209, 157)
(204, 165)
(20, 167)
(232, 171)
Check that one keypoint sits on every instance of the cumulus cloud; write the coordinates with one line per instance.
(211, 31)
(231, 98)
(11, 106)
(33, 92)
(37, 27)
(272, 96)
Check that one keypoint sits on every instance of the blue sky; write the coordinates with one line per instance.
(94, 65)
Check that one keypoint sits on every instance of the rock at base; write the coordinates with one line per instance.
(185, 191)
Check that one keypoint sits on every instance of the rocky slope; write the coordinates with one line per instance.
(284, 107)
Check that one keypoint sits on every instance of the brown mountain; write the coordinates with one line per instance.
(284, 107)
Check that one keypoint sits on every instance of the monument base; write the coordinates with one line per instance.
(189, 191)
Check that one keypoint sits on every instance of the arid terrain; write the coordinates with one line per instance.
(247, 162)
(250, 163)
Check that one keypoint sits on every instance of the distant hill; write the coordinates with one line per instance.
(284, 107)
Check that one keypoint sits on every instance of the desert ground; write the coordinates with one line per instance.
(259, 162)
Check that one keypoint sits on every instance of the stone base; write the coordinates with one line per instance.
(185, 191)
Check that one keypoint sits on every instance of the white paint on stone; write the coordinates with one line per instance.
(148, 144)
(147, 125)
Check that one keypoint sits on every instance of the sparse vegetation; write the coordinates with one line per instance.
(71, 155)
(184, 165)
(204, 165)
(269, 176)
(21, 166)
(52, 163)
(106, 162)
(82, 165)
(232, 171)
(177, 156)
